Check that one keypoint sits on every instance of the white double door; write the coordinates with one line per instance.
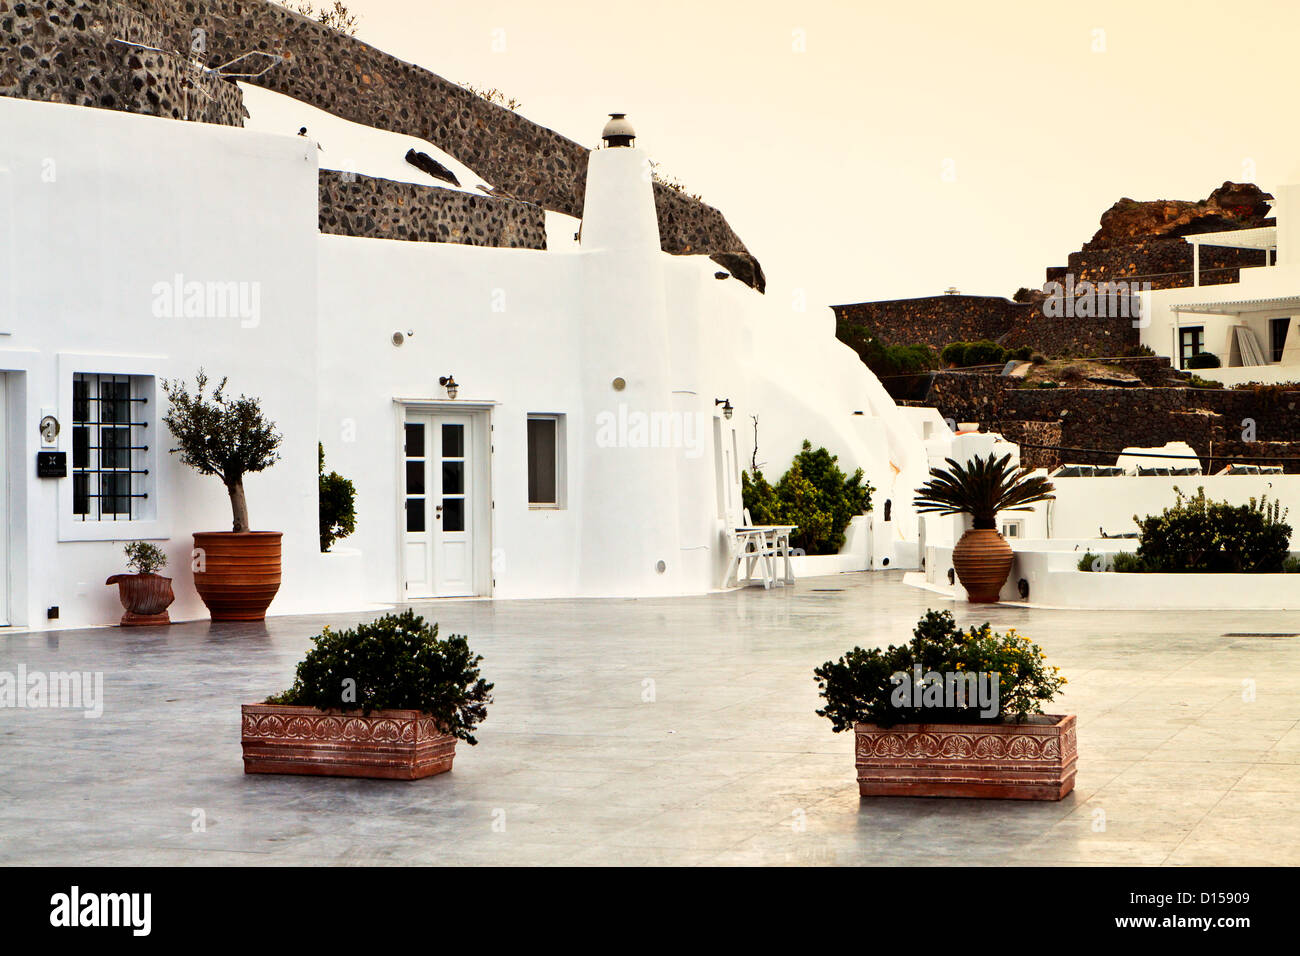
(440, 504)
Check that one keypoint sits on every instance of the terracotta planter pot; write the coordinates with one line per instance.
(389, 744)
(146, 598)
(241, 573)
(1034, 760)
(982, 560)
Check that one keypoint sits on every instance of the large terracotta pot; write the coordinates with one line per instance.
(1034, 760)
(391, 744)
(146, 598)
(237, 572)
(982, 560)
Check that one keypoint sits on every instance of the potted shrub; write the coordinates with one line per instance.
(388, 699)
(981, 488)
(952, 714)
(237, 572)
(145, 594)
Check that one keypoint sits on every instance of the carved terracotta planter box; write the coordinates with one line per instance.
(390, 744)
(1034, 760)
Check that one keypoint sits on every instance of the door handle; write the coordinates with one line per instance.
(437, 513)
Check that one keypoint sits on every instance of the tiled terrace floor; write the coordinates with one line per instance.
(722, 767)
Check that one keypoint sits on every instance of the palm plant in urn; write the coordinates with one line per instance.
(981, 488)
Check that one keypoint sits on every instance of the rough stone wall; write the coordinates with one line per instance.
(1036, 433)
(1116, 418)
(351, 79)
(1166, 263)
(939, 319)
(1257, 451)
(933, 320)
(1068, 336)
(65, 51)
(356, 205)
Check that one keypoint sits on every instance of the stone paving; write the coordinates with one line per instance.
(667, 731)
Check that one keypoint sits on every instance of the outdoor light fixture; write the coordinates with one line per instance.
(618, 131)
(727, 409)
(449, 381)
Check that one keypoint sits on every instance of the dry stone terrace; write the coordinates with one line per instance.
(721, 760)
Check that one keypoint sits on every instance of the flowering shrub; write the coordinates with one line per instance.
(862, 685)
(1198, 534)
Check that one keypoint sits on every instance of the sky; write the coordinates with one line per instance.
(867, 150)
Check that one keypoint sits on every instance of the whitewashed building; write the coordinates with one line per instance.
(582, 451)
(1247, 324)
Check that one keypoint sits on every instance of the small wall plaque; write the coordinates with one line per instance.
(51, 464)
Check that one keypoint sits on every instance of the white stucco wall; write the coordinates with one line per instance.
(98, 207)
(102, 207)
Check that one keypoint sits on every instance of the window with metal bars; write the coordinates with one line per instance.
(109, 443)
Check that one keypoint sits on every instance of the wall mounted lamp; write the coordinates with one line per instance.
(727, 409)
(449, 382)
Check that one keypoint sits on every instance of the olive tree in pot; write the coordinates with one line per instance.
(236, 572)
(388, 698)
(981, 488)
(145, 594)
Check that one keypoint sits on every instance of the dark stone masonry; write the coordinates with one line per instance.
(355, 205)
(1212, 421)
(63, 51)
(68, 51)
(938, 320)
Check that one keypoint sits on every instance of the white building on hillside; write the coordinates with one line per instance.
(582, 452)
(1246, 324)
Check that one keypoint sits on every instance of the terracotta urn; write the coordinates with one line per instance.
(390, 744)
(237, 573)
(146, 598)
(982, 560)
(1031, 760)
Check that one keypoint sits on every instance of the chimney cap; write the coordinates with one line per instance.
(618, 131)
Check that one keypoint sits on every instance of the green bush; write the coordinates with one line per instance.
(813, 494)
(859, 686)
(983, 352)
(1198, 534)
(954, 353)
(1291, 565)
(1138, 351)
(902, 369)
(1202, 360)
(1092, 562)
(338, 503)
(396, 662)
(1128, 561)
